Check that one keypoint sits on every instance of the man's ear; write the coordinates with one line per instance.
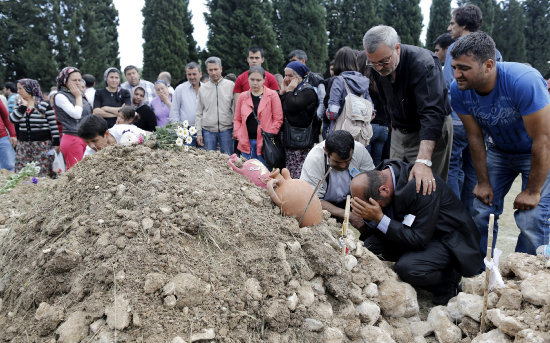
(384, 190)
(325, 150)
(489, 65)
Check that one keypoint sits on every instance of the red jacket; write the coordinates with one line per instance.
(270, 115)
(5, 123)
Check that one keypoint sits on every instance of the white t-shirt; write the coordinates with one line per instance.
(127, 131)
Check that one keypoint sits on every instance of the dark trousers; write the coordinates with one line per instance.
(431, 268)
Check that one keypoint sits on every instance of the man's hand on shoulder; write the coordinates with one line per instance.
(526, 200)
(424, 177)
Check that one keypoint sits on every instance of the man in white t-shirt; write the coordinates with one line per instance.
(94, 131)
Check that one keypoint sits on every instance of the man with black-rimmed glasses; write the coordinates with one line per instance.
(413, 91)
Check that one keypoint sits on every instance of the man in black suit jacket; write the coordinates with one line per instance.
(432, 238)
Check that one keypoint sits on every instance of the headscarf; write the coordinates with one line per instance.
(161, 81)
(301, 70)
(64, 76)
(32, 87)
(110, 70)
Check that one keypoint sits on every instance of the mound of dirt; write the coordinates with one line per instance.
(158, 245)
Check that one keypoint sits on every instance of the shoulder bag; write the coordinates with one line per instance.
(272, 149)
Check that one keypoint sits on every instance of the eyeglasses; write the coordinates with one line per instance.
(380, 64)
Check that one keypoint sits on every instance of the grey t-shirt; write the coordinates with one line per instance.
(338, 187)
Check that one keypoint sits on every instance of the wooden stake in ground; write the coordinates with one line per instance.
(345, 224)
(313, 194)
(487, 271)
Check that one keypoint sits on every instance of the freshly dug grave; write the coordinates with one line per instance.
(158, 245)
(135, 244)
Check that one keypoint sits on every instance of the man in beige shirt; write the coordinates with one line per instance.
(214, 117)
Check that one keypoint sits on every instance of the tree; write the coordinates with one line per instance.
(405, 17)
(537, 34)
(440, 16)
(488, 8)
(509, 32)
(348, 32)
(166, 27)
(235, 26)
(27, 50)
(99, 41)
(301, 25)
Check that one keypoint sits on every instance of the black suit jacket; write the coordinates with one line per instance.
(439, 216)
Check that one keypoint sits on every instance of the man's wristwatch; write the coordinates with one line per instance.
(426, 162)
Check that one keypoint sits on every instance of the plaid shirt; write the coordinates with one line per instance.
(149, 87)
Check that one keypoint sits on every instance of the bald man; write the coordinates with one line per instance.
(432, 238)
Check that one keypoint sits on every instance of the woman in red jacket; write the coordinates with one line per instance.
(259, 102)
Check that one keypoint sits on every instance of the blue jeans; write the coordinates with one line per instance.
(534, 225)
(193, 143)
(253, 152)
(223, 138)
(380, 135)
(7, 154)
(462, 176)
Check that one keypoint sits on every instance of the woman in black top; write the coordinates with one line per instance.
(110, 99)
(299, 101)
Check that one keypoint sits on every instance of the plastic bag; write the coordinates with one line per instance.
(58, 165)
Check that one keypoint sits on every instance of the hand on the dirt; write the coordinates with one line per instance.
(484, 192)
(356, 221)
(423, 176)
(200, 141)
(526, 200)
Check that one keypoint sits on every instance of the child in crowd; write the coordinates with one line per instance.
(95, 132)
(127, 115)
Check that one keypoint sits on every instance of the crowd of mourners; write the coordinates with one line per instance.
(435, 147)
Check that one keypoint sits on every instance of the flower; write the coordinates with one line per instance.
(179, 141)
(185, 124)
(185, 133)
(34, 180)
(140, 138)
(186, 148)
(188, 140)
(128, 138)
(193, 130)
(179, 131)
(37, 168)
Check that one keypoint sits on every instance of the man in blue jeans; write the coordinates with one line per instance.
(462, 177)
(509, 103)
(214, 116)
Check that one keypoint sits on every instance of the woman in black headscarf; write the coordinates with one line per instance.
(299, 101)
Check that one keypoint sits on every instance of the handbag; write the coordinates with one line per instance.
(298, 137)
(272, 149)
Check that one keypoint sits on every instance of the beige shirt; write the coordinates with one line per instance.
(215, 107)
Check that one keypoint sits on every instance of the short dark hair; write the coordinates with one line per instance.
(11, 86)
(130, 67)
(92, 126)
(89, 79)
(231, 77)
(340, 142)
(374, 181)
(257, 69)
(444, 41)
(192, 65)
(255, 49)
(299, 54)
(469, 16)
(128, 113)
(345, 60)
(477, 44)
